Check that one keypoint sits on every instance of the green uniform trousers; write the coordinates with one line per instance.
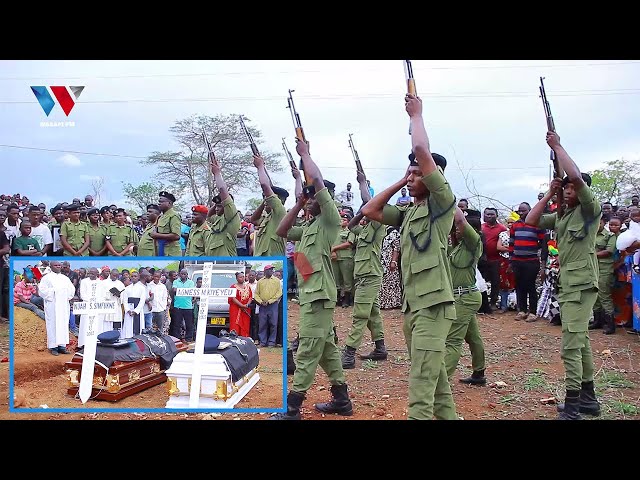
(316, 346)
(575, 310)
(425, 332)
(366, 311)
(604, 301)
(343, 273)
(467, 306)
(476, 345)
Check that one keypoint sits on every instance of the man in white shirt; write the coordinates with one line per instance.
(112, 289)
(57, 290)
(90, 291)
(346, 197)
(12, 223)
(146, 310)
(133, 299)
(40, 231)
(159, 297)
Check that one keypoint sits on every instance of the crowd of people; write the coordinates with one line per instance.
(146, 302)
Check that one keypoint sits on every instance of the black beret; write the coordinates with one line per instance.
(104, 209)
(329, 185)
(216, 199)
(585, 177)
(472, 213)
(120, 210)
(310, 190)
(280, 192)
(92, 210)
(167, 195)
(437, 158)
(55, 209)
(110, 336)
(153, 206)
(73, 207)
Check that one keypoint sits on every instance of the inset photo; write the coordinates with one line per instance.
(147, 334)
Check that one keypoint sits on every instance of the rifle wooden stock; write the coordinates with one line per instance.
(411, 86)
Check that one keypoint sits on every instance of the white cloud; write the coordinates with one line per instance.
(69, 160)
(88, 178)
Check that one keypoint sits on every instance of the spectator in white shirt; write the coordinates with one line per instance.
(159, 297)
(40, 231)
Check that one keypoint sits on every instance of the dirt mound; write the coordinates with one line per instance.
(30, 333)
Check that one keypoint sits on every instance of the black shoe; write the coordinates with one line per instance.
(63, 350)
(476, 378)
(294, 402)
(609, 324)
(571, 408)
(291, 364)
(349, 357)
(335, 335)
(346, 300)
(589, 404)
(378, 353)
(54, 351)
(339, 403)
(598, 320)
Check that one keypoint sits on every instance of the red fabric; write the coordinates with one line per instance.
(491, 240)
(23, 289)
(507, 280)
(239, 320)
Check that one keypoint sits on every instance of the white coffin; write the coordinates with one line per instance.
(217, 390)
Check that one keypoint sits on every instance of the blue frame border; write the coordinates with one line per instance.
(285, 339)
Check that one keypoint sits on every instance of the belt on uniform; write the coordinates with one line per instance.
(462, 290)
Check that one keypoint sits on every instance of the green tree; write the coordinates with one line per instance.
(252, 204)
(187, 169)
(616, 182)
(139, 196)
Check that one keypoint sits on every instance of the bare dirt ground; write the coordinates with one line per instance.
(525, 356)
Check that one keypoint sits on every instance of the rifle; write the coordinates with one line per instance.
(356, 157)
(287, 153)
(297, 125)
(252, 144)
(557, 172)
(411, 82)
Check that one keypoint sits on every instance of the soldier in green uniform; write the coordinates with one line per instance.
(58, 215)
(267, 243)
(224, 219)
(199, 240)
(603, 308)
(464, 253)
(316, 344)
(146, 244)
(97, 234)
(576, 224)
(166, 234)
(342, 261)
(107, 216)
(428, 301)
(74, 234)
(121, 238)
(368, 279)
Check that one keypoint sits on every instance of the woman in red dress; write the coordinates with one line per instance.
(239, 311)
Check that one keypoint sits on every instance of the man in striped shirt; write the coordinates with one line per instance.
(525, 241)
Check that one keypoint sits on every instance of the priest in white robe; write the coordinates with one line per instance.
(90, 291)
(57, 290)
(112, 289)
(133, 300)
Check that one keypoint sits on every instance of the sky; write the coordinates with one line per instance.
(485, 117)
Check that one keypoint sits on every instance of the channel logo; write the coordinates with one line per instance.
(61, 94)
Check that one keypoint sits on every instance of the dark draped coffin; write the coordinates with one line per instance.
(127, 367)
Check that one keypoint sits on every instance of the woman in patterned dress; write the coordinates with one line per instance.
(390, 294)
(239, 310)
(507, 277)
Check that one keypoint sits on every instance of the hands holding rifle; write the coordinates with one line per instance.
(413, 105)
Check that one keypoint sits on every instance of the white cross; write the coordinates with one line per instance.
(205, 293)
(91, 308)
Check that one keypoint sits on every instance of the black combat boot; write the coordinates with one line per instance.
(571, 410)
(291, 364)
(335, 335)
(598, 320)
(349, 357)
(294, 402)
(589, 404)
(339, 403)
(378, 353)
(295, 343)
(609, 324)
(346, 299)
(476, 378)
